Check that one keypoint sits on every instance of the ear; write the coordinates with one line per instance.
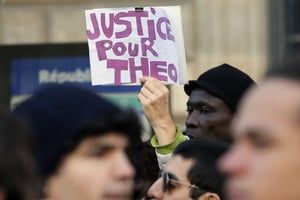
(209, 196)
(50, 187)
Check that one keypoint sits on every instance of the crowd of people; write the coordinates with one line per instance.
(241, 141)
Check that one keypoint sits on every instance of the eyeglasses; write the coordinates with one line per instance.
(169, 184)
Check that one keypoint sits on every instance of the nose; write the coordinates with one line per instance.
(235, 161)
(192, 120)
(155, 190)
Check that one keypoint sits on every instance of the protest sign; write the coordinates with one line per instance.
(127, 43)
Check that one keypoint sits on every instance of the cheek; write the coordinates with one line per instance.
(275, 176)
(86, 178)
(215, 121)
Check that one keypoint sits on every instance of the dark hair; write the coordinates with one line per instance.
(203, 173)
(144, 160)
(17, 170)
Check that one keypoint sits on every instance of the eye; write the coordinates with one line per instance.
(171, 186)
(260, 143)
(99, 151)
(189, 109)
(204, 109)
(259, 140)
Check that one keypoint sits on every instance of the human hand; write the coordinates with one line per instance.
(154, 97)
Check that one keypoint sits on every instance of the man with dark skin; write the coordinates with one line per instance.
(212, 102)
(207, 114)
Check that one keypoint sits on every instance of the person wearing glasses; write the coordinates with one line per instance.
(212, 102)
(191, 173)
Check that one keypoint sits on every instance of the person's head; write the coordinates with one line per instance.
(192, 172)
(81, 143)
(264, 162)
(17, 169)
(213, 99)
(144, 160)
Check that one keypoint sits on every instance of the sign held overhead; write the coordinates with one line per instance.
(127, 43)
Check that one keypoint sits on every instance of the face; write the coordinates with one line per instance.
(98, 169)
(179, 174)
(208, 116)
(264, 163)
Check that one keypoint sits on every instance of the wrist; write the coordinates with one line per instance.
(165, 132)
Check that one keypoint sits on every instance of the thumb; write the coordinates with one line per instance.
(143, 79)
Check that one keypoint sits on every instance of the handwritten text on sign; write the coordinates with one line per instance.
(125, 44)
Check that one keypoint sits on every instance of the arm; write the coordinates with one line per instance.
(164, 153)
(154, 97)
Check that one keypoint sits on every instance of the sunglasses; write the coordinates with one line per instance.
(169, 184)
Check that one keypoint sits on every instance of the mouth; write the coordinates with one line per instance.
(117, 197)
(194, 130)
(192, 134)
(234, 193)
(118, 194)
(148, 198)
(234, 196)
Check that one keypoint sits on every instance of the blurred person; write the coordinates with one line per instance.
(18, 180)
(81, 143)
(191, 173)
(264, 162)
(144, 160)
(212, 102)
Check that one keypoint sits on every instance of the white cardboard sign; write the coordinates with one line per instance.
(127, 43)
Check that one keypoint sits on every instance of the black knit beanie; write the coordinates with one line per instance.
(59, 114)
(225, 82)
